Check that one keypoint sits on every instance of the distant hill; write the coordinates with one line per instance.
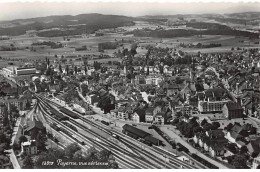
(68, 25)
(65, 25)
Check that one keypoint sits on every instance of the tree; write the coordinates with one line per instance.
(22, 139)
(254, 155)
(78, 155)
(215, 125)
(84, 89)
(85, 69)
(243, 149)
(67, 70)
(103, 155)
(28, 163)
(178, 114)
(232, 147)
(60, 68)
(71, 149)
(229, 126)
(207, 127)
(6, 119)
(147, 71)
(28, 105)
(239, 161)
(41, 142)
(76, 69)
(4, 139)
(175, 121)
(203, 122)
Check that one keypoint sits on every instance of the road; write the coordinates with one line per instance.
(13, 159)
(125, 158)
(172, 134)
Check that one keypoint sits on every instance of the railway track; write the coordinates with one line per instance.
(172, 160)
(132, 163)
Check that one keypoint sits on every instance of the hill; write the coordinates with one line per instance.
(64, 25)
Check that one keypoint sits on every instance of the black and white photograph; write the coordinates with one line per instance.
(129, 85)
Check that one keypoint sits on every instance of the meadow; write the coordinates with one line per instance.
(91, 42)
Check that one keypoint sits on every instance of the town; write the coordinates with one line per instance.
(141, 107)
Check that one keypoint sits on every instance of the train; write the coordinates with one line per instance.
(180, 147)
(104, 122)
(57, 115)
(115, 136)
(80, 110)
(77, 139)
(204, 162)
(69, 113)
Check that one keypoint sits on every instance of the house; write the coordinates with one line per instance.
(236, 133)
(139, 115)
(92, 99)
(254, 146)
(256, 163)
(157, 110)
(202, 140)
(149, 115)
(232, 110)
(120, 103)
(188, 90)
(55, 87)
(29, 147)
(122, 113)
(114, 113)
(171, 89)
(215, 134)
(129, 110)
(216, 149)
(34, 127)
(159, 118)
(196, 138)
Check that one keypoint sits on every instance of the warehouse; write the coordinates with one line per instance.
(132, 131)
(141, 135)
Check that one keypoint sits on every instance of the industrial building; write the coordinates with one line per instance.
(141, 135)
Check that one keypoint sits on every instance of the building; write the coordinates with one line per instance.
(92, 99)
(216, 150)
(34, 127)
(256, 163)
(29, 147)
(149, 115)
(122, 113)
(237, 133)
(211, 106)
(159, 118)
(254, 146)
(139, 115)
(153, 80)
(17, 71)
(140, 135)
(232, 110)
(19, 103)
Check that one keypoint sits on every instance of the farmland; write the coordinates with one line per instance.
(26, 52)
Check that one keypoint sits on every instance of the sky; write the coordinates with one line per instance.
(18, 10)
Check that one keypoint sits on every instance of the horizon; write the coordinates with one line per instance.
(38, 9)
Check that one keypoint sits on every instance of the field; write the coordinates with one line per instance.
(91, 42)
